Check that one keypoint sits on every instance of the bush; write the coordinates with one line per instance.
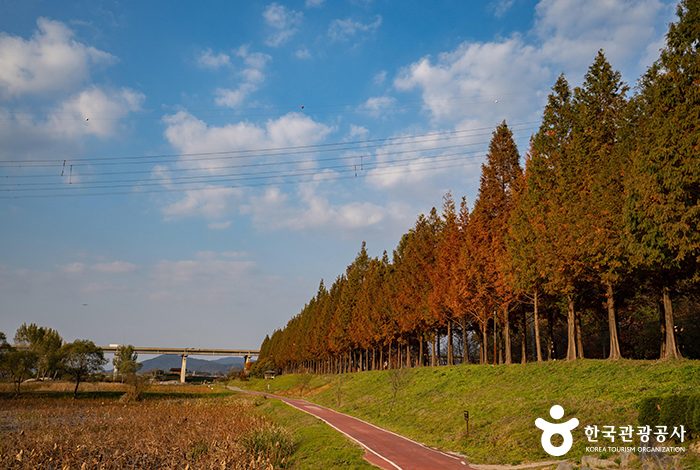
(673, 408)
(671, 411)
(696, 415)
(692, 407)
(137, 385)
(649, 409)
(271, 443)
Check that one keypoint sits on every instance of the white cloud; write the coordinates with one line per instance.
(500, 7)
(271, 211)
(115, 267)
(343, 30)
(283, 20)
(303, 54)
(51, 60)
(73, 268)
(380, 78)
(571, 32)
(212, 201)
(253, 76)
(219, 225)
(60, 133)
(234, 98)
(170, 274)
(191, 135)
(312, 210)
(465, 82)
(101, 108)
(379, 105)
(314, 3)
(207, 59)
(358, 132)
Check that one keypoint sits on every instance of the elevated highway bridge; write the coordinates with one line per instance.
(183, 352)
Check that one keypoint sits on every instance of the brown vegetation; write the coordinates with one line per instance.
(222, 433)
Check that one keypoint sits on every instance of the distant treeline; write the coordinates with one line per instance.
(591, 247)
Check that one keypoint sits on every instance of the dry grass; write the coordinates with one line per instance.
(156, 434)
(50, 386)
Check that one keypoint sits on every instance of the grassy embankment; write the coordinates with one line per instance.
(173, 427)
(503, 401)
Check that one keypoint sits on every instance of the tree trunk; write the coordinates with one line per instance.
(432, 355)
(536, 321)
(421, 344)
(506, 335)
(571, 330)
(500, 347)
(579, 336)
(408, 352)
(671, 348)
(437, 343)
(551, 345)
(484, 345)
(465, 338)
(75, 392)
(612, 325)
(450, 350)
(389, 357)
(523, 349)
(495, 341)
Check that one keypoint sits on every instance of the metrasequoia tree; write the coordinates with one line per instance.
(494, 204)
(596, 203)
(663, 205)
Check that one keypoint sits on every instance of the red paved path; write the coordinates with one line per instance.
(384, 449)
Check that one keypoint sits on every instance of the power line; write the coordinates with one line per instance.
(249, 165)
(315, 147)
(314, 178)
(198, 179)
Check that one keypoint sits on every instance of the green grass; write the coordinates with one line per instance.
(317, 444)
(503, 401)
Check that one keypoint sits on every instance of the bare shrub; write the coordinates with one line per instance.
(399, 379)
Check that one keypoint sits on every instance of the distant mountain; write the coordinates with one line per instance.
(170, 361)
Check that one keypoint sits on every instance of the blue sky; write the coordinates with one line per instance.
(187, 169)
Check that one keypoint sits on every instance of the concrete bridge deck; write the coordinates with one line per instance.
(184, 352)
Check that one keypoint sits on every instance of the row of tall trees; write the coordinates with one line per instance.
(605, 213)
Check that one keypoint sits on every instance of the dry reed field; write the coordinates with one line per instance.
(202, 433)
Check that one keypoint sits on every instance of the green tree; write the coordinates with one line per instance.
(662, 209)
(523, 241)
(44, 343)
(126, 360)
(414, 260)
(80, 359)
(597, 202)
(555, 177)
(20, 365)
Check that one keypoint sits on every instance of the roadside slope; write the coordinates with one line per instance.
(503, 401)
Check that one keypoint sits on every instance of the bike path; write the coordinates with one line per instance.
(385, 449)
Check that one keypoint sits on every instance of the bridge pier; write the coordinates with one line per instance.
(184, 368)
